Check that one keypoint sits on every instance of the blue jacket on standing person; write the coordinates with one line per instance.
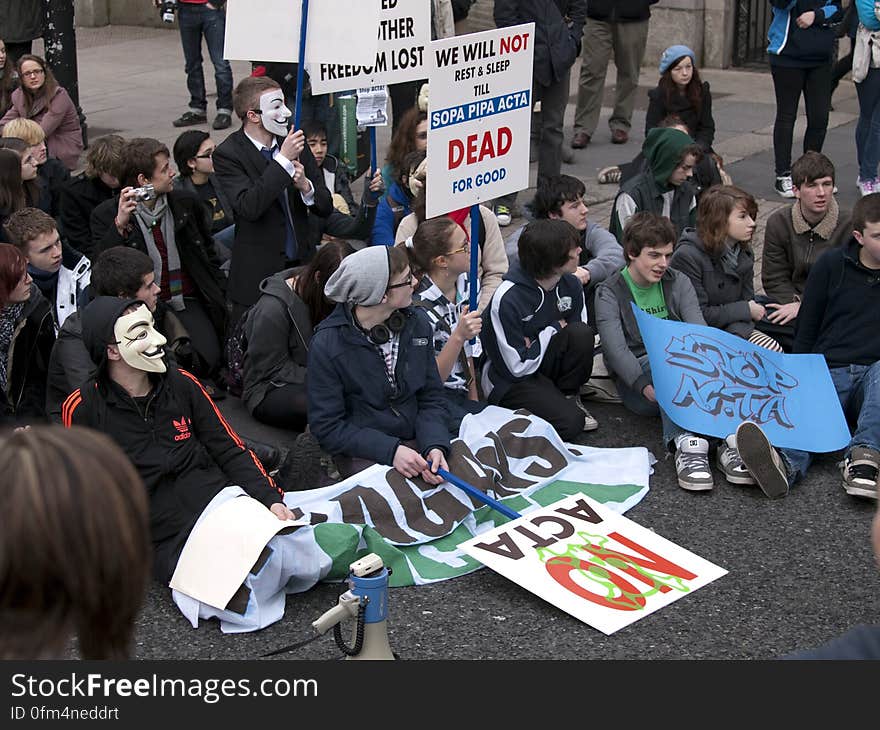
(791, 45)
(354, 409)
(393, 208)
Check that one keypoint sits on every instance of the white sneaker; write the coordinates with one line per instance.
(590, 423)
(866, 187)
(784, 186)
(731, 464)
(502, 214)
(692, 463)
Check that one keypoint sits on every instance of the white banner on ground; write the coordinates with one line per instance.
(403, 34)
(591, 562)
(269, 30)
(480, 103)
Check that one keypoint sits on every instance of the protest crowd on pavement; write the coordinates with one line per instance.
(295, 309)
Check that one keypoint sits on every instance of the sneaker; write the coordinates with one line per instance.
(590, 423)
(860, 470)
(307, 465)
(784, 186)
(187, 119)
(223, 120)
(762, 460)
(730, 463)
(866, 187)
(692, 463)
(502, 213)
(609, 175)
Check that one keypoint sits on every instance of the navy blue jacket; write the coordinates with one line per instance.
(789, 45)
(521, 309)
(352, 409)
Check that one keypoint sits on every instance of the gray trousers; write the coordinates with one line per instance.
(627, 41)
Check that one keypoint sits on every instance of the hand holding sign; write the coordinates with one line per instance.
(293, 144)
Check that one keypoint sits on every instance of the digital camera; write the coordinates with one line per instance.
(147, 192)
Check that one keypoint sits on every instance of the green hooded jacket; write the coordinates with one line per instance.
(650, 189)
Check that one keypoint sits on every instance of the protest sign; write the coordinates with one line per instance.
(416, 528)
(403, 32)
(479, 114)
(591, 562)
(269, 30)
(709, 381)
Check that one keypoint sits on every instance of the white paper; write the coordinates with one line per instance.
(372, 106)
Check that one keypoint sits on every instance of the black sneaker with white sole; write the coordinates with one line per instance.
(762, 460)
(860, 471)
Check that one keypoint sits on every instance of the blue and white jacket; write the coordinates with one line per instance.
(521, 309)
(789, 45)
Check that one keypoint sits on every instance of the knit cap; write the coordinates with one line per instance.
(672, 54)
(362, 277)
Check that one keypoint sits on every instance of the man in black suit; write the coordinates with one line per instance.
(273, 188)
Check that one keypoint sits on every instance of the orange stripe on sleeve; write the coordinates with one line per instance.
(69, 406)
(235, 437)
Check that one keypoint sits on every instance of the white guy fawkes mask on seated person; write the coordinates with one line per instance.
(274, 112)
(139, 344)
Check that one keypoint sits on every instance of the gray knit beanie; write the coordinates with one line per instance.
(362, 278)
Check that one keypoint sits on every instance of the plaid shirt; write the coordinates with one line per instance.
(437, 307)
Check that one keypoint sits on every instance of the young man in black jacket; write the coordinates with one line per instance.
(169, 226)
(273, 184)
(183, 448)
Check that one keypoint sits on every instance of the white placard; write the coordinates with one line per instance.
(479, 100)
(372, 106)
(268, 30)
(403, 36)
(594, 564)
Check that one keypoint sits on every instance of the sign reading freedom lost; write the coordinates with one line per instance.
(592, 563)
(403, 34)
(479, 117)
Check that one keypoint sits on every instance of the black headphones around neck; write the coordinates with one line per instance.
(384, 331)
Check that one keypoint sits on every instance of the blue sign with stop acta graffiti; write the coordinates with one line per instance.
(709, 381)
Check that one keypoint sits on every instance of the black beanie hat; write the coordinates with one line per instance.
(98, 320)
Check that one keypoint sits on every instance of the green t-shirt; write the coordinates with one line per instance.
(649, 299)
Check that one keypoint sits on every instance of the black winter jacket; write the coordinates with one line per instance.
(24, 399)
(723, 292)
(182, 447)
(79, 198)
(702, 126)
(620, 11)
(353, 409)
(278, 329)
(559, 27)
(195, 245)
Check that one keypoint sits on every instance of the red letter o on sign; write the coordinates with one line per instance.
(560, 569)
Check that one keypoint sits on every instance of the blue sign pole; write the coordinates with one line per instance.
(477, 494)
(473, 281)
(301, 66)
(372, 152)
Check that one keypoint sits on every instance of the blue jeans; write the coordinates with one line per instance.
(195, 21)
(858, 388)
(636, 402)
(868, 128)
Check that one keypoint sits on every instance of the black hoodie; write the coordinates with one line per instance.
(179, 442)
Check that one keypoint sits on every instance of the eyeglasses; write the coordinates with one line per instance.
(206, 156)
(32, 74)
(405, 282)
(465, 247)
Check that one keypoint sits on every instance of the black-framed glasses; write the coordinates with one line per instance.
(405, 282)
(33, 73)
(207, 156)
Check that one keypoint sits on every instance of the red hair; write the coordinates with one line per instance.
(13, 264)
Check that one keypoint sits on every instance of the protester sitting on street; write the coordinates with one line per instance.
(26, 337)
(278, 330)
(18, 188)
(795, 237)
(52, 175)
(348, 219)
(75, 545)
(837, 319)
(85, 192)
(410, 135)
(562, 197)
(374, 392)
(664, 186)
(170, 226)
(396, 204)
(717, 258)
(42, 99)
(182, 447)
(491, 256)
(439, 253)
(654, 287)
(8, 79)
(535, 336)
(61, 273)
